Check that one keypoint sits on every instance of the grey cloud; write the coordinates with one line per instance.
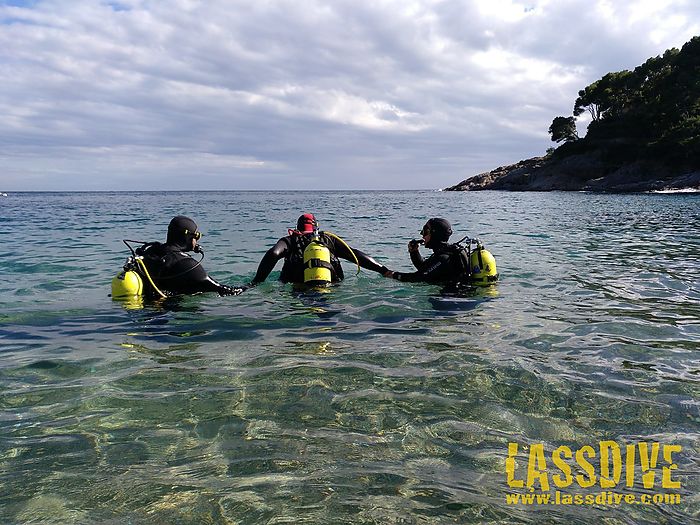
(254, 94)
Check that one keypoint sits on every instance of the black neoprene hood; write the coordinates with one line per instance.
(180, 231)
(440, 230)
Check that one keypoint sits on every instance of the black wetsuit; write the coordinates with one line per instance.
(291, 248)
(443, 266)
(175, 272)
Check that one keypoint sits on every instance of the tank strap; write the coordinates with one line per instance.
(317, 263)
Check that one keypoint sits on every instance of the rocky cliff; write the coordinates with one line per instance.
(583, 172)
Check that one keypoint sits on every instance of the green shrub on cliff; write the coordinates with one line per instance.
(652, 112)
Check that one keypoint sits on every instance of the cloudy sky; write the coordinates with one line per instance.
(302, 94)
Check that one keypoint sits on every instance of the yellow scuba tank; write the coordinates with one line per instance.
(483, 266)
(317, 262)
(127, 283)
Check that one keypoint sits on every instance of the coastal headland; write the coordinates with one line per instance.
(643, 134)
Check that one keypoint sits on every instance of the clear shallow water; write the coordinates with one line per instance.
(374, 403)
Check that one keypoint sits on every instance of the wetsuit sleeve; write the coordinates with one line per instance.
(417, 259)
(191, 277)
(365, 260)
(435, 269)
(269, 260)
(369, 263)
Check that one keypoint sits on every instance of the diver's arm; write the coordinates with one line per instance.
(365, 261)
(433, 271)
(413, 277)
(416, 257)
(224, 289)
(269, 260)
(369, 263)
(190, 277)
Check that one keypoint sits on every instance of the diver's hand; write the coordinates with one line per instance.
(413, 245)
(388, 274)
(231, 290)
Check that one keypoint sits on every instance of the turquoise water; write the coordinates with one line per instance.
(377, 402)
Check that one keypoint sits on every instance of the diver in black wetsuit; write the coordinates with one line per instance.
(443, 266)
(291, 248)
(174, 271)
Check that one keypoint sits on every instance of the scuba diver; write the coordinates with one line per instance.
(449, 263)
(311, 256)
(167, 269)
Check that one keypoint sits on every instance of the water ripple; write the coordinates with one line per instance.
(377, 402)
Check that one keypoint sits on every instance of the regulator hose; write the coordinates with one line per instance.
(348, 247)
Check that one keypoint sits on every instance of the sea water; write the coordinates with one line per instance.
(373, 402)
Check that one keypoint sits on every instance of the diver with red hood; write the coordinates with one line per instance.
(292, 248)
(170, 267)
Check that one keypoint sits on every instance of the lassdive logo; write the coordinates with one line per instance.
(608, 472)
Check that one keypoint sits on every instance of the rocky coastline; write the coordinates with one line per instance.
(644, 135)
(583, 172)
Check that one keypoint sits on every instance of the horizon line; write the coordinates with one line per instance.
(216, 190)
